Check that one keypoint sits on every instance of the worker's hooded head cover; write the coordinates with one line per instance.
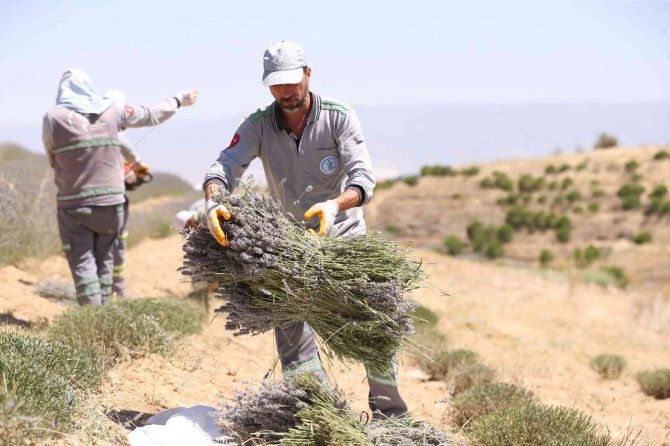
(76, 92)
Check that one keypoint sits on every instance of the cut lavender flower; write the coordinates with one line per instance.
(350, 290)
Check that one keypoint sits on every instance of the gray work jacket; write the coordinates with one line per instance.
(85, 151)
(330, 157)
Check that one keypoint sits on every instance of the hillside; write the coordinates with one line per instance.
(585, 192)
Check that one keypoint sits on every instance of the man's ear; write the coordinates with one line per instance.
(308, 71)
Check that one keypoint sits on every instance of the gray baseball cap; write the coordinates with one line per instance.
(283, 63)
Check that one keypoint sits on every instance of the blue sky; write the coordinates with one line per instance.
(363, 52)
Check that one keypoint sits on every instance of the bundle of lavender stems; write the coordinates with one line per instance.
(350, 290)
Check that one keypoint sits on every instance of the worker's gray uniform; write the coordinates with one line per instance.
(330, 157)
(85, 154)
(119, 250)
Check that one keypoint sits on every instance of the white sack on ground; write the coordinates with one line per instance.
(180, 426)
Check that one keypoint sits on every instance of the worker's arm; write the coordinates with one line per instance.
(360, 182)
(234, 160)
(355, 159)
(231, 164)
(127, 150)
(143, 116)
(47, 139)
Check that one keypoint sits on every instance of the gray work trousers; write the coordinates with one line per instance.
(118, 272)
(88, 235)
(296, 344)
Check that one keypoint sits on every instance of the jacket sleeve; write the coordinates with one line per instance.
(144, 116)
(234, 160)
(47, 139)
(127, 149)
(355, 157)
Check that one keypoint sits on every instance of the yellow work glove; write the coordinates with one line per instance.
(140, 169)
(187, 98)
(326, 211)
(213, 212)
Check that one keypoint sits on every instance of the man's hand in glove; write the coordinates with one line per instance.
(326, 211)
(140, 169)
(187, 98)
(215, 210)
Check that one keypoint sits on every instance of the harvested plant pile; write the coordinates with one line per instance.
(350, 290)
(302, 412)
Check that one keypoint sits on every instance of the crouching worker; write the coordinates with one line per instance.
(80, 136)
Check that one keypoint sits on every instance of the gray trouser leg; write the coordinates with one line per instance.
(384, 398)
(118, 273)
(296, 345)
(88, 235)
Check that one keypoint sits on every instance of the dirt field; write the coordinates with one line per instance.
(539, 331)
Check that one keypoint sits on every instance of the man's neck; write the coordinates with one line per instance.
(297, 120)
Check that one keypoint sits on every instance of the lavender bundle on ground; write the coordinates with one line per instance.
(350, 290)
(300, 411)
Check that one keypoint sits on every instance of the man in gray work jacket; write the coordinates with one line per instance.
(317, 165)
(80, 137)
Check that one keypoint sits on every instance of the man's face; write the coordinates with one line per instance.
(292, 97)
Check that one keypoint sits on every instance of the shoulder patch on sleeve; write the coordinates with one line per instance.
(129, 110)
(234, 141)
(335, 105)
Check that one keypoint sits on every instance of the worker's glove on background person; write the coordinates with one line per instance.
(140, 169)
(326, 211)
(187, 98)
(213, 211)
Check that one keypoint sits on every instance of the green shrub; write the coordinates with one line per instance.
(594, 207)
(552, 186)
(528, 183)
(445, 361)
(630, 189)
(617, 274)
(518, 217)
(494, 249)
(642, 237)
(659, 192)
(424, 316)
(456, 196)
(474, 229)
(546, 257)
(631, 166)
(438, 170)
(550, 169)
(41, 382)
(502, 181)
(636, 178)
(486, 183)
(585, 258)
(564, 168)
(385, 184)
(597, 193)
(467, 375)
(581, 166)
(563, 234)
(470, 171)
(605, 141)
(411, 180)
(608, 366)
(566, 183)
(573, 196)
(655, 383)
(542, 199)
(661, 155)
(133, 327)
(537, 425)
(483, 399)
(658, 206)
(453, 244)
(577, 210)
(509, 200)
(630, 202)
(505, 233)
(392, 229)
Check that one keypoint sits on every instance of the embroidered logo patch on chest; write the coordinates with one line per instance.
(329, 165)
